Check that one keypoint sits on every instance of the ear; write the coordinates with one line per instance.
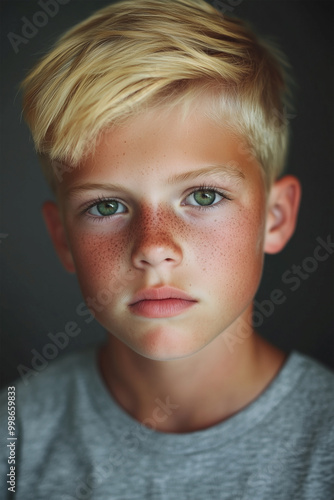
(55, 226)
(282, 212)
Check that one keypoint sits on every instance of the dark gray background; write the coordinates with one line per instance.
(39, 297)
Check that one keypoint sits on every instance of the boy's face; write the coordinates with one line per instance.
(167, 223)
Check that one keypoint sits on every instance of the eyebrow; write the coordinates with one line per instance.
(227, 171)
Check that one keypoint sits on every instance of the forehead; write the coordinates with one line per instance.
(164, 145)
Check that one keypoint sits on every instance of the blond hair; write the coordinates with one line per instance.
(138, 54)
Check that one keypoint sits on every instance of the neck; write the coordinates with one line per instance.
(191, 393)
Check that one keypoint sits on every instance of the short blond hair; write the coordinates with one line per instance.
(138, 54)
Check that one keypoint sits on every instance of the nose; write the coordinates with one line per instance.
(154, 243)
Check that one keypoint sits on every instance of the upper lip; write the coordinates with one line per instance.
(163, 292)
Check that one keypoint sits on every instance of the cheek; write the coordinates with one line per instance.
(229, 255)
(98, 260)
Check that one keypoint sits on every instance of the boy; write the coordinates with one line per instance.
(154, 124)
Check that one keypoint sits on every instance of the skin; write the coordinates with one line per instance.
(161, 238)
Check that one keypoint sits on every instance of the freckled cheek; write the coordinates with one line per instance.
(98, 261)
(227, 252)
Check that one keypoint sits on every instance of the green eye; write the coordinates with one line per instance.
(107, 208)
(204, 197)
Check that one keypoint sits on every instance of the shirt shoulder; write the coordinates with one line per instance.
(48, 392)
(315, 382)
(302, 409)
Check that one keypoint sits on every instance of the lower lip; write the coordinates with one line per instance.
(165, 308)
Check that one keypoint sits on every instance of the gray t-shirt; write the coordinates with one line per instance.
(75, 442)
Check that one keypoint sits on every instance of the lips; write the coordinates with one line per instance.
(161, 293)
(162, 302)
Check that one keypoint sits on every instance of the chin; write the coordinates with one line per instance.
(164, 346)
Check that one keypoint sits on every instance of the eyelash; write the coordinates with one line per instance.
(203, 187)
